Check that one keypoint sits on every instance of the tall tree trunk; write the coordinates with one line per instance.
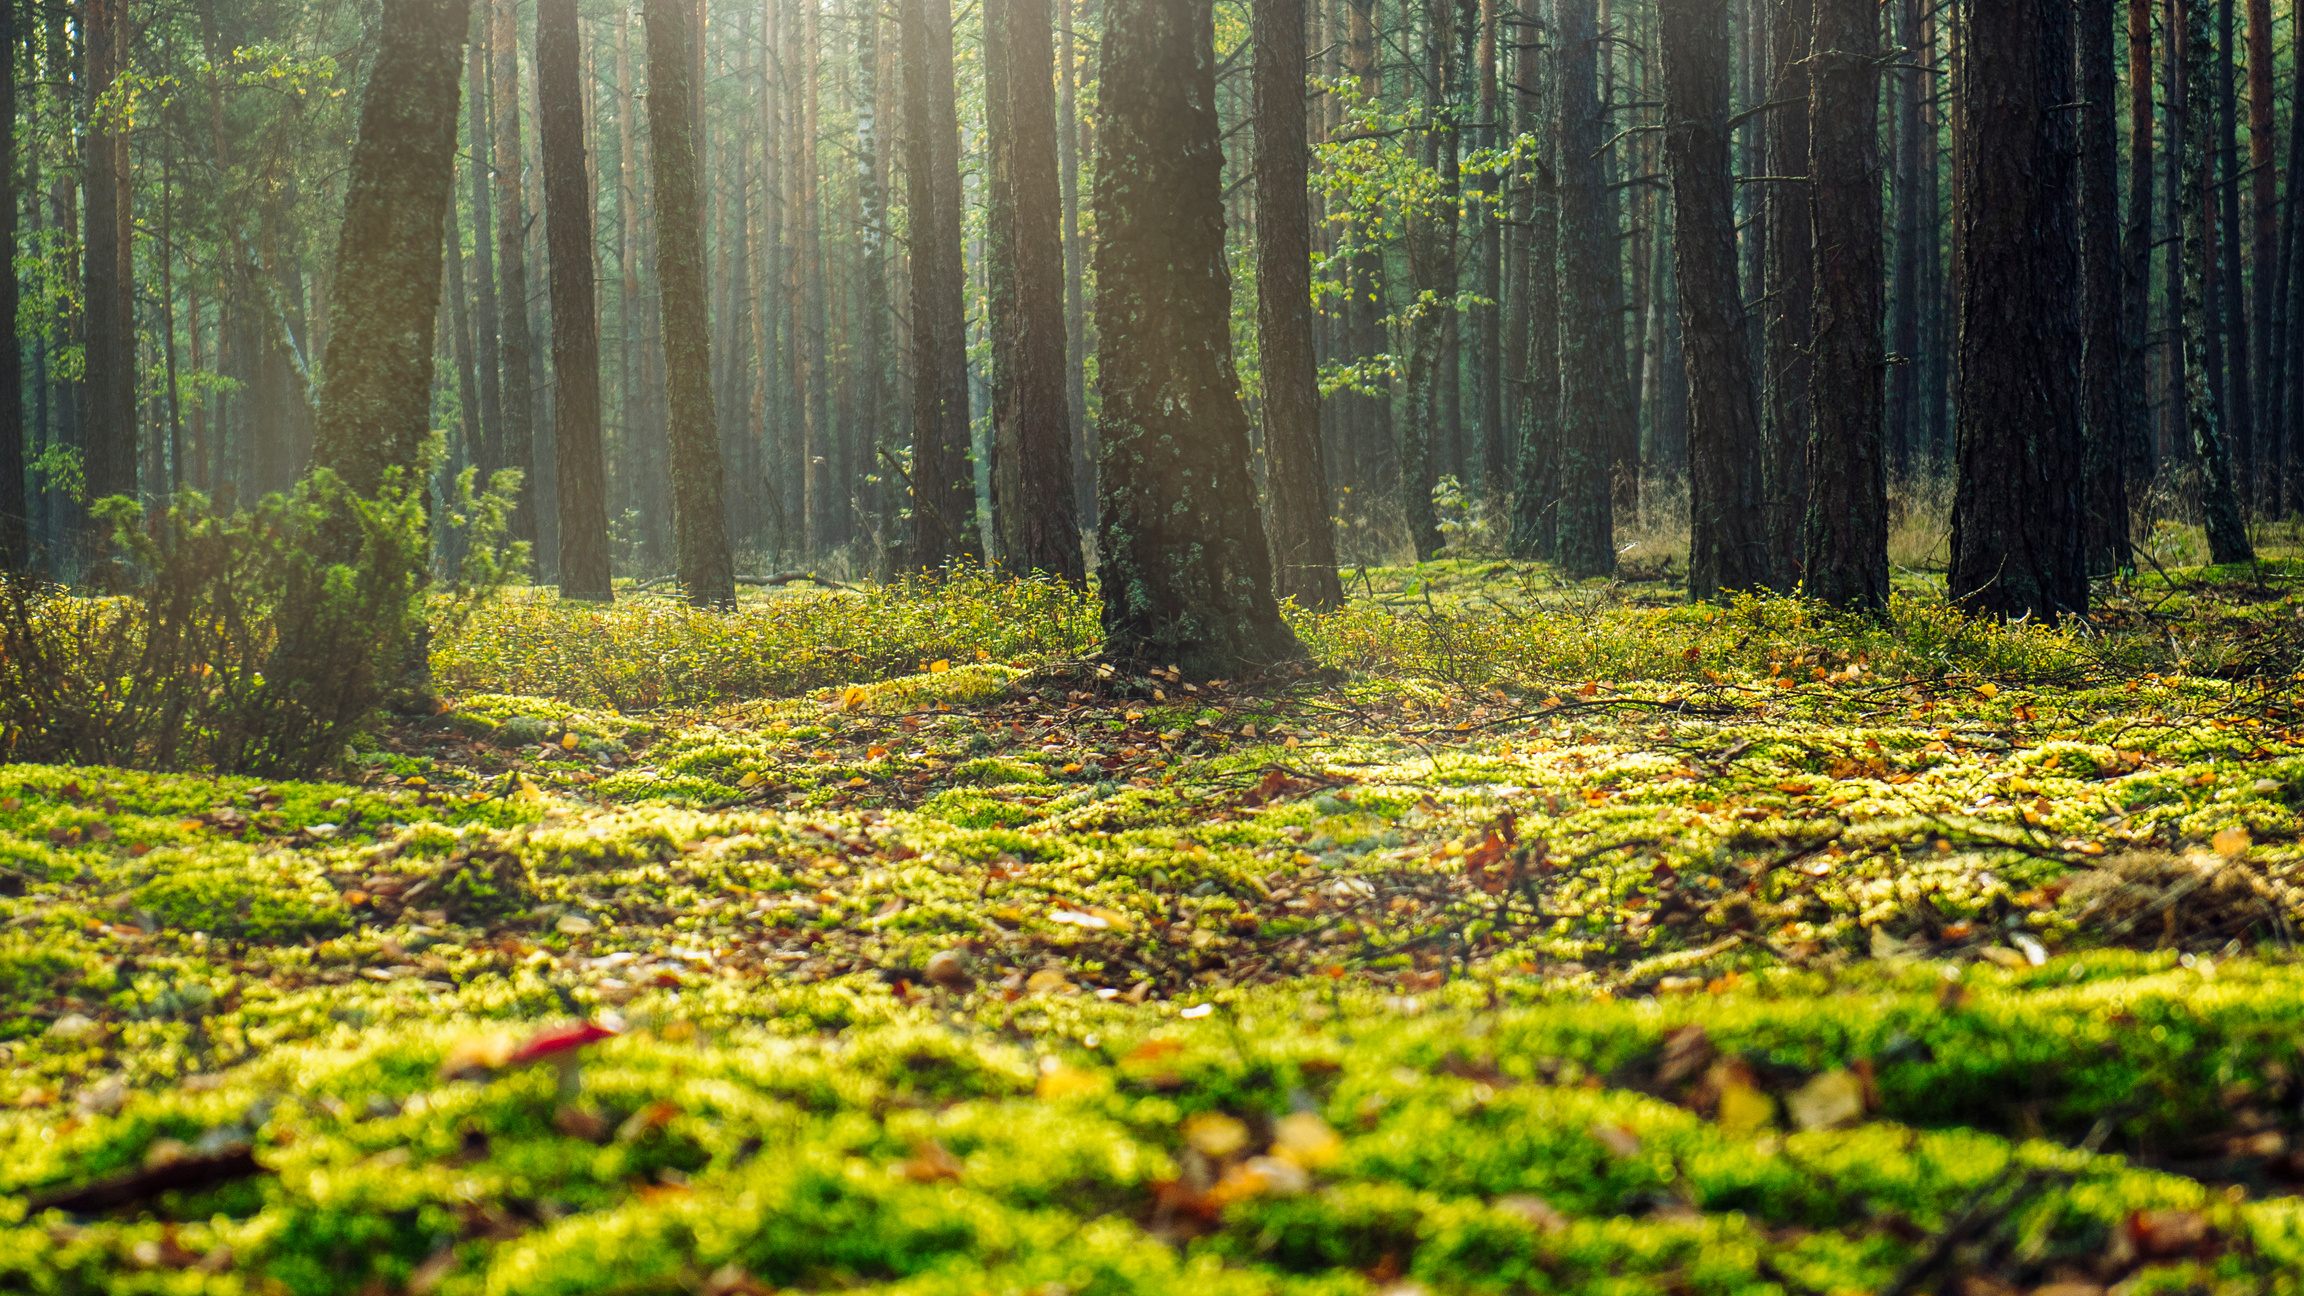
(699, 522)
(1075, 264)
(376, 409)
(1728, 542)
(1903, 377)
(2239, 401)
(942, 481)
(1426, 431)
(1494, 468)
(2220, 508)
(1184, 569)
(459, 323)
(1032, 496)
(2264, 257)
(2136, 255)
(15, 515)
(2175, 397)
(2017, 543)
(489, 344)
(1375, 456)
(515, 343)
(1847, 528)
(1536, 477)
(872, 357)
(2289, 353)
(1296, 470)
(1788, 307)
(579, 459)
(1591, 331)
(2103, 359)
(108, 383)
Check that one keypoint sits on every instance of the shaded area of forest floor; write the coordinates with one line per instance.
(1545, 939)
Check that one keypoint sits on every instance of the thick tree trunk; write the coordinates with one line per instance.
(1728, 543)
(2104, 366)
(2264, 221)
(15, 515)
(1296, 470)
(2290, 349)
(2220, 508)
(579, 459)
(1788, 307)
(2017, 544)
(1905, 87)
(1032, 496)
(1591, 331)
(376, 410)
(942, 481)
(700, 525)
(108, 384)
(1184, 569)
(1847, 527)
(2136, 255)
(2239, 389)
(518, 449)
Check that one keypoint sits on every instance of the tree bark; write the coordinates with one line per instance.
(1426, 430)
(2017, 543)
(1075, 289)
(942, 481)
(707, 569)
(2136, 254)
(518, 446)
(376, 408)
(1032, 497)
(15, 513)
(1296, 470)
(1847, 527)
(487, 342)
(1184, 570)
(2220, 508)
(873, 376)
(579, 459)
(1903, 378)
(2104, 368)
(1788, 306)
(2239, 389)
(1591, 332)
(108, 437)
(1728, 542)
(460, 323)
(1536, 477)
(1495, 466)
(2264, 214)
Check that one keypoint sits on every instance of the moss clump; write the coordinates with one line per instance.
(252, 898)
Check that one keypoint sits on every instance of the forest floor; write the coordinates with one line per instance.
(1541, 939)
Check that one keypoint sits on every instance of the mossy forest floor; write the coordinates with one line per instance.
(1540, 940)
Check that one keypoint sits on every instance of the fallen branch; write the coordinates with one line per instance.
(237, 1162)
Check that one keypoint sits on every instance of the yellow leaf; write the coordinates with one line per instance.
(939, 667)
(2231, 843)
(982, 655)
(1060, 1081)
(875, 753)
(1047, 981)
(854, 697)
(1305, 1139)
(1072, 768)
(1988, 689)
(858, 781)
(1214, 1134)
(750, 780)
(1744, 1110)
(1830, 1100)
(415, 781)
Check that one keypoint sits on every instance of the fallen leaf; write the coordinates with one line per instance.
(1744, 1111)
(2231, 843)
(1215, 1135)
(931, 1162)
(1830, 1100)
(1304, 1138)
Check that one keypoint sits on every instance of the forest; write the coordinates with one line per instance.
(1152, 648)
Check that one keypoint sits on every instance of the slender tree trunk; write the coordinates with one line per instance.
(1296, 470)
(459, 323)
(942, 481)
(1185, 572)
(700, 526)
(108, 386)
(2136, 255)
(1075, 263)
(2289, 352)
(1494, 474)
(1591, 334)
(1728, 542)
(376, 410)
(1376, 452)
(1032, 495)
(1426, 438)
(1904, 87)
(1847, 529)
(489, 341)
(872, 356)
(2239, 391)
(2017, 542)
(515, 343)
(2264, 257)
(2220, 507)
(2175, 400)
(1536, 491)
(15, 515)
(580, 460)
(2103, 361)
(1788, 307)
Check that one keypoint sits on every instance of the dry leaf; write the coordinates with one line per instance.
(1828, 1101)
(1215, 1135)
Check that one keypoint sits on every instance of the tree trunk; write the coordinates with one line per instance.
(488, 342)
(1296, 470)
(108, 437)
(2103, 358)
(1788, 307)
(2239, 390)
(15, 515)
(942, 480)
(1536, 478)
(873, 375)
(518, 446)
(2017, 542)
(2136, 255)
(2220, 508)
(1495, 462)
(1903, 377)
(459, 323)
(1728, 542)
(1075, 265)
(2288, 358)
(1184, 569)
(700, 525)
(2175, 399)
(579, 459)
(1847, 528)
(2264, 220)
(376, 409)
(1430, 235)
(1591, 330)
(1033, 502)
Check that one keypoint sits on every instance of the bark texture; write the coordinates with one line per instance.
(1593, 415)
(1296, 470)
(517, 449)
(2017, 547)
(943, 484)
(2104, 369)
(1033, 503)
(1847, 527)
(2219, 506)
(15, 515)
(1184, 570)
(706, 568)
(108, 387)
(1728, 542)
(1788, 307)
(375, 410)
(580, 461)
